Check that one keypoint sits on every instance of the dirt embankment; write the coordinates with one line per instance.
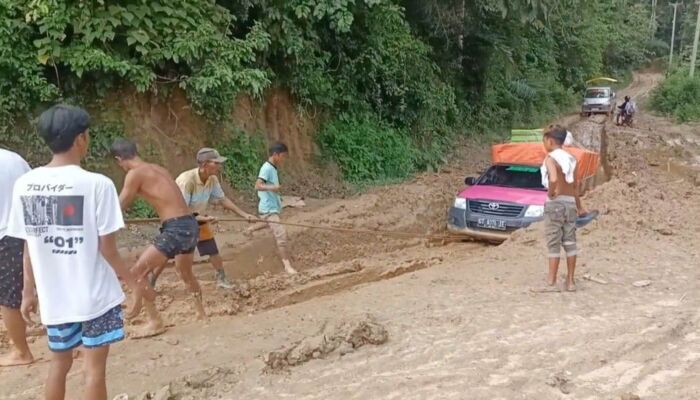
(448, 320)
(169, 132)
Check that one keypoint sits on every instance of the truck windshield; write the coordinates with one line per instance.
(597, 93)
(514, 176)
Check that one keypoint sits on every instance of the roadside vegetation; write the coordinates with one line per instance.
(678, 96)
(393, 83)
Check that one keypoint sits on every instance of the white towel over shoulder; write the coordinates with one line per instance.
(566, 162)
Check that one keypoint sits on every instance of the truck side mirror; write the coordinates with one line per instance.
(470, 181)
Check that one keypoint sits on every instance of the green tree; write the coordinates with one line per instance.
(413, 74)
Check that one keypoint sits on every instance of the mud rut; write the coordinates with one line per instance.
(647, 171)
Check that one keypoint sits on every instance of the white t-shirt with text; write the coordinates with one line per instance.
(12, 166)
(61, 212)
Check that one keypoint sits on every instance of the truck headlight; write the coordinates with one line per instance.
(460, 203)
(534, 211)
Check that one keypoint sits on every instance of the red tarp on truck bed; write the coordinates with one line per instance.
(533, 154)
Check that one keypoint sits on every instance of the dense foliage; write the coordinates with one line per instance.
(393, 81)
(368, 149)
(679, 96)
(247, 153)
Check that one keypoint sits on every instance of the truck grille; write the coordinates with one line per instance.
(495, 208)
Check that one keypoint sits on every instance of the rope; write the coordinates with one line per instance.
(378, 232)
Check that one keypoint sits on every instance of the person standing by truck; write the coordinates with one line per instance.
(562, 208)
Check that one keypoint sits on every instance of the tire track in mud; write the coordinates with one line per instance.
(339, 283)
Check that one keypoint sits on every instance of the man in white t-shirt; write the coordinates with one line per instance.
(11, 249)
(69, 218)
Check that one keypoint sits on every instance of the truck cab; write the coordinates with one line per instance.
(504, 198)
(599, 99)
(509, 195)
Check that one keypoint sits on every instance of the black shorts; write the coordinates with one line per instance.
(207, 247)
(177, 236)
(11, 273)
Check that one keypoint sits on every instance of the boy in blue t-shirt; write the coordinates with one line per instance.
(270, 205)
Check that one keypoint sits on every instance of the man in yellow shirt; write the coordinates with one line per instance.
(200, 187)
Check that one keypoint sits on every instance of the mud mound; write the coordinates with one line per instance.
(341, 338)
(587, 132)
(193, 387)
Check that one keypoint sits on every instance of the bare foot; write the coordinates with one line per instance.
(570, 287)
(16, 358)
(288, 267)
(153, 328)
(135, 309)
(199, 306)
(199, 310)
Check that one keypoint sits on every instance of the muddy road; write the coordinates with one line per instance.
(382, 318)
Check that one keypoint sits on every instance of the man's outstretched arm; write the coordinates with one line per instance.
(129, 191)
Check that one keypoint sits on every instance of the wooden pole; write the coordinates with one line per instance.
(652, 23)
(695, 42)
(673, 34)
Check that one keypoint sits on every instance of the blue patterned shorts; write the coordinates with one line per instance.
(104, 330)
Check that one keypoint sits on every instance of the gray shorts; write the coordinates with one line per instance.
(177, 236)
(560, 226)
(11, 272)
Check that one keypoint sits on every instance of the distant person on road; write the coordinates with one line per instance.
(69, 219)
(200, 187)
(562, 208)
(11, 276)
(179, 232)
(627, 109)
(270, 204)
(623, 106)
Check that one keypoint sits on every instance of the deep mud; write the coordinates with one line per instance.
(461, 319)
(342, 338)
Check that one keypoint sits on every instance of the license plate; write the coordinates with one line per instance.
(495, 224)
